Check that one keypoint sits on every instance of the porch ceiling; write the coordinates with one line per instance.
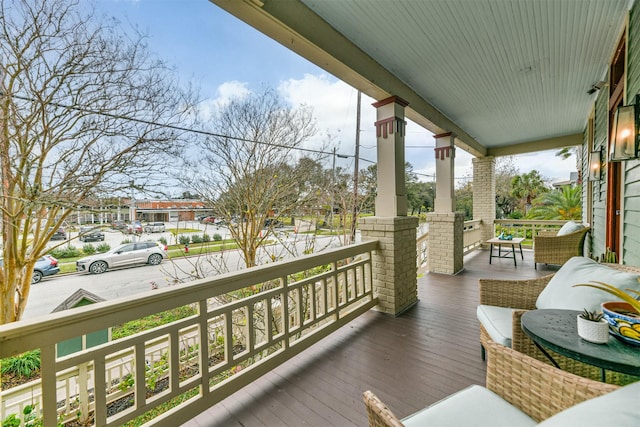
(500, 74)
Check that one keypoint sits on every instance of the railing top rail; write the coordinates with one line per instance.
(33, 333)
(530, 221)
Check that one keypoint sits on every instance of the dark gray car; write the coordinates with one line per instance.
(91, 234)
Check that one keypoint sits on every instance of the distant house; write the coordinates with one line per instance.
(170, 210)
(573, 180)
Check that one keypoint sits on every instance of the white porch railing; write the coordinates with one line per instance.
(422, 245)
(472, 235)
(526, 228)
(246, 323)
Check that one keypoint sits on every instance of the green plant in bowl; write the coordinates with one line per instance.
(623, 317)
(622, 294)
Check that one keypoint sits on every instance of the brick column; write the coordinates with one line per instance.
(394, 264)
(445, 250)
(446, 227)
(484, 194)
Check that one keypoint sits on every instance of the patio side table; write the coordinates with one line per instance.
(499, 243)
(557, 330)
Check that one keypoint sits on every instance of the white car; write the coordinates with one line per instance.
(154, 227)
(123, 255)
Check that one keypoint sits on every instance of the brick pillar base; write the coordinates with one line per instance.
(394, 268)
(446, 246)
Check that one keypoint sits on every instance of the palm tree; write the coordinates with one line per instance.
(561, 204)
(527, 187)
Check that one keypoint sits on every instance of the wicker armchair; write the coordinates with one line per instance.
(521, 295)
(548, 248)
(537, 389)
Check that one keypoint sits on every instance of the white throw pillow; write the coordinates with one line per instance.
(560, 293)
(619, 408)
(569, 227)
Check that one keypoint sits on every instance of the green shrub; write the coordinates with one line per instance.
(11, 421)
(206, 237)
(89, 249)
(163, 240)
(125, 241)
(22, 365)
(217, 237)
(68, 251)
(196, 239)
(183, 239)
(102, 247)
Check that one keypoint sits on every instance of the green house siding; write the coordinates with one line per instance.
(599, 188)
(631, 186)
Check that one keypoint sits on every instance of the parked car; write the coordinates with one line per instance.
(136, 228)
(91, 234)
(45, 266)
(121, 256)
(208, 220)
(273, 223)
(154, 227)
(60, 234)
(119, 225)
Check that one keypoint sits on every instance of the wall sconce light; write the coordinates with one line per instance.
(595, 165)
(624, 134)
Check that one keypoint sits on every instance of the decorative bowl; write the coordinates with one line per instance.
(624, 321)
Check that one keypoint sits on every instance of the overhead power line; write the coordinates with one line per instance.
(181, 128)
(199, 131)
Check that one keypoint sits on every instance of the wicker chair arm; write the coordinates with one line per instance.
(512, 293)
(379, 414)
(534, 387)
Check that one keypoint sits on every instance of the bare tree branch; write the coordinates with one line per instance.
(69, 83)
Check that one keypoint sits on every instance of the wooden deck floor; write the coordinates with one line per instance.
(410, 361)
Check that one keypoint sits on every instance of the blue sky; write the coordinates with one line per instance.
(226, 57)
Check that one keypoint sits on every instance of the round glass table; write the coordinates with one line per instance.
(557, 330)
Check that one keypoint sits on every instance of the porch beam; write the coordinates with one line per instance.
(540, 145)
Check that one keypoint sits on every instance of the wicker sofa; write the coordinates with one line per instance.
(508, 300)
(521, 391)
(551, 248)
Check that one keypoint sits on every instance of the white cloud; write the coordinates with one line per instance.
(225, 92)
(334, 107)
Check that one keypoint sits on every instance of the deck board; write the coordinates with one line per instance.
(410, 361)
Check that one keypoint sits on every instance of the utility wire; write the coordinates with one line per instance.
(204, 132)
(181, 128)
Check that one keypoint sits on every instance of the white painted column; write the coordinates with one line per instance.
(445, 154)
(390, 130)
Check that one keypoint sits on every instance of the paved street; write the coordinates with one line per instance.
(52, 291)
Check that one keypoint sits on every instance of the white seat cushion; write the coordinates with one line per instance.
(560, 293)
(497, 321)
(620, 408)
(474, 406)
